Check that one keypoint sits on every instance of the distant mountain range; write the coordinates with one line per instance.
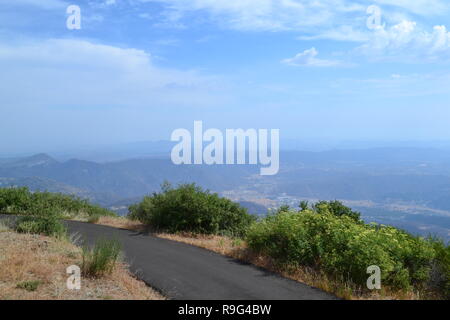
(107, 183)
(408, 185)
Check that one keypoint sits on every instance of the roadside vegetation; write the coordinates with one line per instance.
(324, 244)
(35, 250)
(33, 266)
(332, 240)
(189, 208)
(21, 201)
(46, 225)
(101, 259)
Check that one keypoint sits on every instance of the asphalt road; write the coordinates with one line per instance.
(182, 271)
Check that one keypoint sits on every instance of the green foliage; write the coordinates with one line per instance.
(303, 205)
(283, 208)
(101, 259)
(190, 208)
(335, 208)
(236, 242)
(344, 248)
(31, 285)
(48, 225)
(21, 201)
(441, 274)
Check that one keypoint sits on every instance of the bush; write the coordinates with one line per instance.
(48, 225)
(189, 208)
(101, 259)
(31, 285)
(21, 201)
(335, 208)
(441, 270)
(344, 248)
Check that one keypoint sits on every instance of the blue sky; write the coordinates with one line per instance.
(138, 69)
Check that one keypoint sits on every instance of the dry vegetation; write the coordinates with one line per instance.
(237, 249)
(120, 223)
(33, 267)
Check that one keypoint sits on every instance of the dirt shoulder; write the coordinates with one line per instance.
(33, 267)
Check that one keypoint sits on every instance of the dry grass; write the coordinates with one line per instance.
(238, 249)
(34, 258)
(120, 223)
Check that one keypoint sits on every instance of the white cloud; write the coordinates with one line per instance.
(338, 20)
(407, 40)
(419, 7)
(61, 72)
(102, 3)
(308, 58)
(344, 33)
(267, 15)
(45, 4)
(300, 15)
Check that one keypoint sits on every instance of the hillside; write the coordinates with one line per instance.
(407, 187)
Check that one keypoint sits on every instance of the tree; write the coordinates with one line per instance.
(303, 205)
(336, 208)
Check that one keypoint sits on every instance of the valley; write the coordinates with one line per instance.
(404, 187)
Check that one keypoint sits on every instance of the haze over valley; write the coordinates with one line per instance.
(405, 187)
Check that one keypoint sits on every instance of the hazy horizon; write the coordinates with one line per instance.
(163, 147)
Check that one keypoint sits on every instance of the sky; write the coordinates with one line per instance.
(139, 69)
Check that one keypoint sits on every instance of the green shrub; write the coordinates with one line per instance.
(101, 259)
(344, 248)
(441, 270)
(48, 225)
(189, 208)
(21, 201)
(335, 208)
(31, 285)
(14, 200)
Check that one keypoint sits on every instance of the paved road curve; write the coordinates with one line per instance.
(181, 271)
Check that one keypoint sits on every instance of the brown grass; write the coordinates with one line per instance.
(25, 257)
(238, 249)
(120, 223)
